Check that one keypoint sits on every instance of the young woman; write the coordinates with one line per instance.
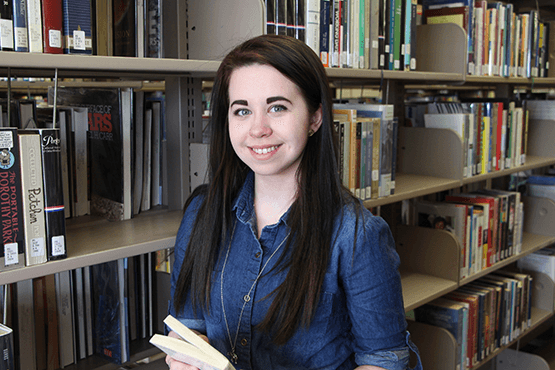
(276, 264)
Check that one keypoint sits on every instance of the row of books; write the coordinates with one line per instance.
(100, 27)
(351, 33)
(487, 225)
(367, 136)
(500, 41)
(31, 207)
(484, 315)
(113, 158)
(494, 132)
(66, 317)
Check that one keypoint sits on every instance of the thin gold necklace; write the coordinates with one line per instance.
(246, 298)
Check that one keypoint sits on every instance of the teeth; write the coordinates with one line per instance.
(265, 150)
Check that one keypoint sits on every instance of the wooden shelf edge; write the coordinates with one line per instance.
(434, 288)
(98, 241)
(510, 80)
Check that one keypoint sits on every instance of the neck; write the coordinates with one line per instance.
(272, 198)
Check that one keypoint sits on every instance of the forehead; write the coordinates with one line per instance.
(260, 80)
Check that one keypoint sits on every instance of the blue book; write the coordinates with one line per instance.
(110, 307)
(450, 315)
(21, 41)
(77, 30)
(325, 14)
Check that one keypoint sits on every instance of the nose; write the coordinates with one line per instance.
(260, 126)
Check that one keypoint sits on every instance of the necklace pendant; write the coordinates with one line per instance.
(233, 357)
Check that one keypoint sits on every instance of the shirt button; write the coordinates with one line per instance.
(257, 254)
(244, 342)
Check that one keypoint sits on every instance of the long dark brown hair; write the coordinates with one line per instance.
(319, 200)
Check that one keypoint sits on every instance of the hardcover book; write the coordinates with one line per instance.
(33, 198)
(52, 26)
(6, 25)
(20, 29)
(53, 193)
(7, 348)
(125, 32)
(109, 139)
(11, 212)
(110, 307)
(77, 27)
(34, 25)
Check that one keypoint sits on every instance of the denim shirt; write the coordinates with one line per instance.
(360, 319)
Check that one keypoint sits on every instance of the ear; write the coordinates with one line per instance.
(316, 120)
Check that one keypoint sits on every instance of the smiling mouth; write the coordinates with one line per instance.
(265, 150)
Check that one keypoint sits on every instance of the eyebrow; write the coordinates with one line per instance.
(270, 100)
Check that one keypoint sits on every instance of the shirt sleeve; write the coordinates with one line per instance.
(186, 316)
(374, 297)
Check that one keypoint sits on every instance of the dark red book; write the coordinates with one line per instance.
(52, 26)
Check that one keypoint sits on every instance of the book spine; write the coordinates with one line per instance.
(7, 347)
(20, 30)
(33, 199)
(154, 27)
(34, 24)
(53, 194)
(6, 26)
(326, 27)
(311, 32)
(11, 208)
(270, 17)
(77, 26)
(52, 26)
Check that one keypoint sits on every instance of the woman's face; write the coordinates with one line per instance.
(269, 120)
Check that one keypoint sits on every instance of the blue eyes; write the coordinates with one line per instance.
(242, 112)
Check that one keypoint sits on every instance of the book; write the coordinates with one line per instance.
(125, 31)
(154, 23)
(51, 313)
(111, 334)
(449, 315)
(77, 26)
(20, 29)
(53, 193)
(7, 347)
(64, 304)
(39, 322)
(109, 139)
(52, 26)
(25, 323)
(6, 29)
(12, 253)
(192, 350)
(33, 198)
(103, 27)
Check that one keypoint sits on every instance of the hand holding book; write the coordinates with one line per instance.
(190, 348)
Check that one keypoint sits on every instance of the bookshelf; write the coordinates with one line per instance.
(441, 60)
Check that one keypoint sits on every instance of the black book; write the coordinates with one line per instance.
(53, 193)
(7, 347)
(12, 252)
(6, 36)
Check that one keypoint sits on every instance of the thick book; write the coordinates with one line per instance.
(77, 26)
(34, 26)
(11, 212)
(192, 349)
(53, 193)
(20, 29)
(111, 311)
(33, 198)
(109, 139)
(6, 29)
(52, 26)
(7, 362)
(64, 303)
(125, 30)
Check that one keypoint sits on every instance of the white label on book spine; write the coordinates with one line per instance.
(79, 40)
(55, 38)
(10, 254)
(58, 245)
(20, 34)
(6, 139)
(375, 175)
(375, 44)
(6, 32)
(37, 247)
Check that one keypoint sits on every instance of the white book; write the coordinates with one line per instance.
(64, 299)
(26, 323)
(192, 349)
(312, 17)
(34, 229)
(155, 156)
(34, 25)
